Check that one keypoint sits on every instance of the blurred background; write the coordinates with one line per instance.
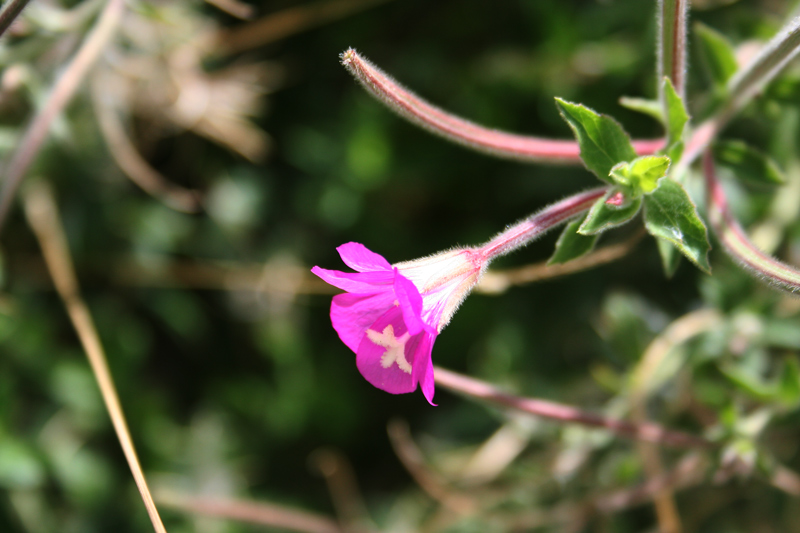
(217, 151)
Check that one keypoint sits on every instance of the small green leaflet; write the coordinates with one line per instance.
(571, 244)
(677, 117)
(604, 215)
(641, 175)
(670, 214)
(747, 163)
(602, 140)
(652, 108)
(716, 54)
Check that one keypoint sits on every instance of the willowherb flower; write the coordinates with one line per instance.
(391, 315)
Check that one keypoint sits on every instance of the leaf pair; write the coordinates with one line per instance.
(669, 213)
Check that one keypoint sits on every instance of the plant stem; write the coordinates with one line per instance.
(60, 95)
(672, 43)
(10, 12)
(736, 242)
(645, 431)
(458, 130)
(772, 58)
(534, 226)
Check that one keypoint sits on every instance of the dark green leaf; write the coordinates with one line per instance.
(572, 244)
(671, 215)
(641, 175)
(747, 163)
(670, 257)
(604, 215)
(602, 140)
(653, 108)
(716, 54)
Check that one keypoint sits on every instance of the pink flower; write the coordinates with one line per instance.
(390, 316)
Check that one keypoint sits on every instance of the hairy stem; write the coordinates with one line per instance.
(672, 16)
(529, 229)
(458, 130)
(736, 242)
(645, 431)
(772, 58)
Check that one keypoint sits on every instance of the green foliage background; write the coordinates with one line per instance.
(230, 393)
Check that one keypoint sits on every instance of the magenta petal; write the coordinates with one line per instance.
(356, 282)
(423, 365)
(352, 314)
(410, 303)
(360, 258)
(370, 356)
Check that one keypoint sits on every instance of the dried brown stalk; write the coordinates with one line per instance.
(42, 214)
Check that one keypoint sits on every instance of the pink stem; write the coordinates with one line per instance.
(565, 413)
(532, 227)
(461, 131)
(735, 241)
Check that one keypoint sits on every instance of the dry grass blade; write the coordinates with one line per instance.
(342, 486)
(132, 163)
(277, 26)
(254, 512)
(60, 95)
(42, 214)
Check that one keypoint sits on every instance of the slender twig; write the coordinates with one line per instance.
(277, 26)
(347, 500)
(679, 332)
(736, 242)
(498, 281)
(565, 413)
(42, 214)
(411, 456)
(262, 513)
(9, 13)
(131, 162)
(458, 130)
(60, 95)
(672, 16)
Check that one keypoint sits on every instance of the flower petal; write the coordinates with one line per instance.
(356, 282)
(410, 303)
(385, 364)
(360, 258)
(352, 314)
(423, 365)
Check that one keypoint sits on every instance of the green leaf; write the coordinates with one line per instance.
(572, 244)
(652, 108)
(788, 386)
(602, 140)
(670, 257)
(716, 54)
(670, 214)
(748, 164)
(604, 215)
(641, 175)
(677, 117)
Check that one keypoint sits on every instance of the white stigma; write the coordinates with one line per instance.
(395, 348)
